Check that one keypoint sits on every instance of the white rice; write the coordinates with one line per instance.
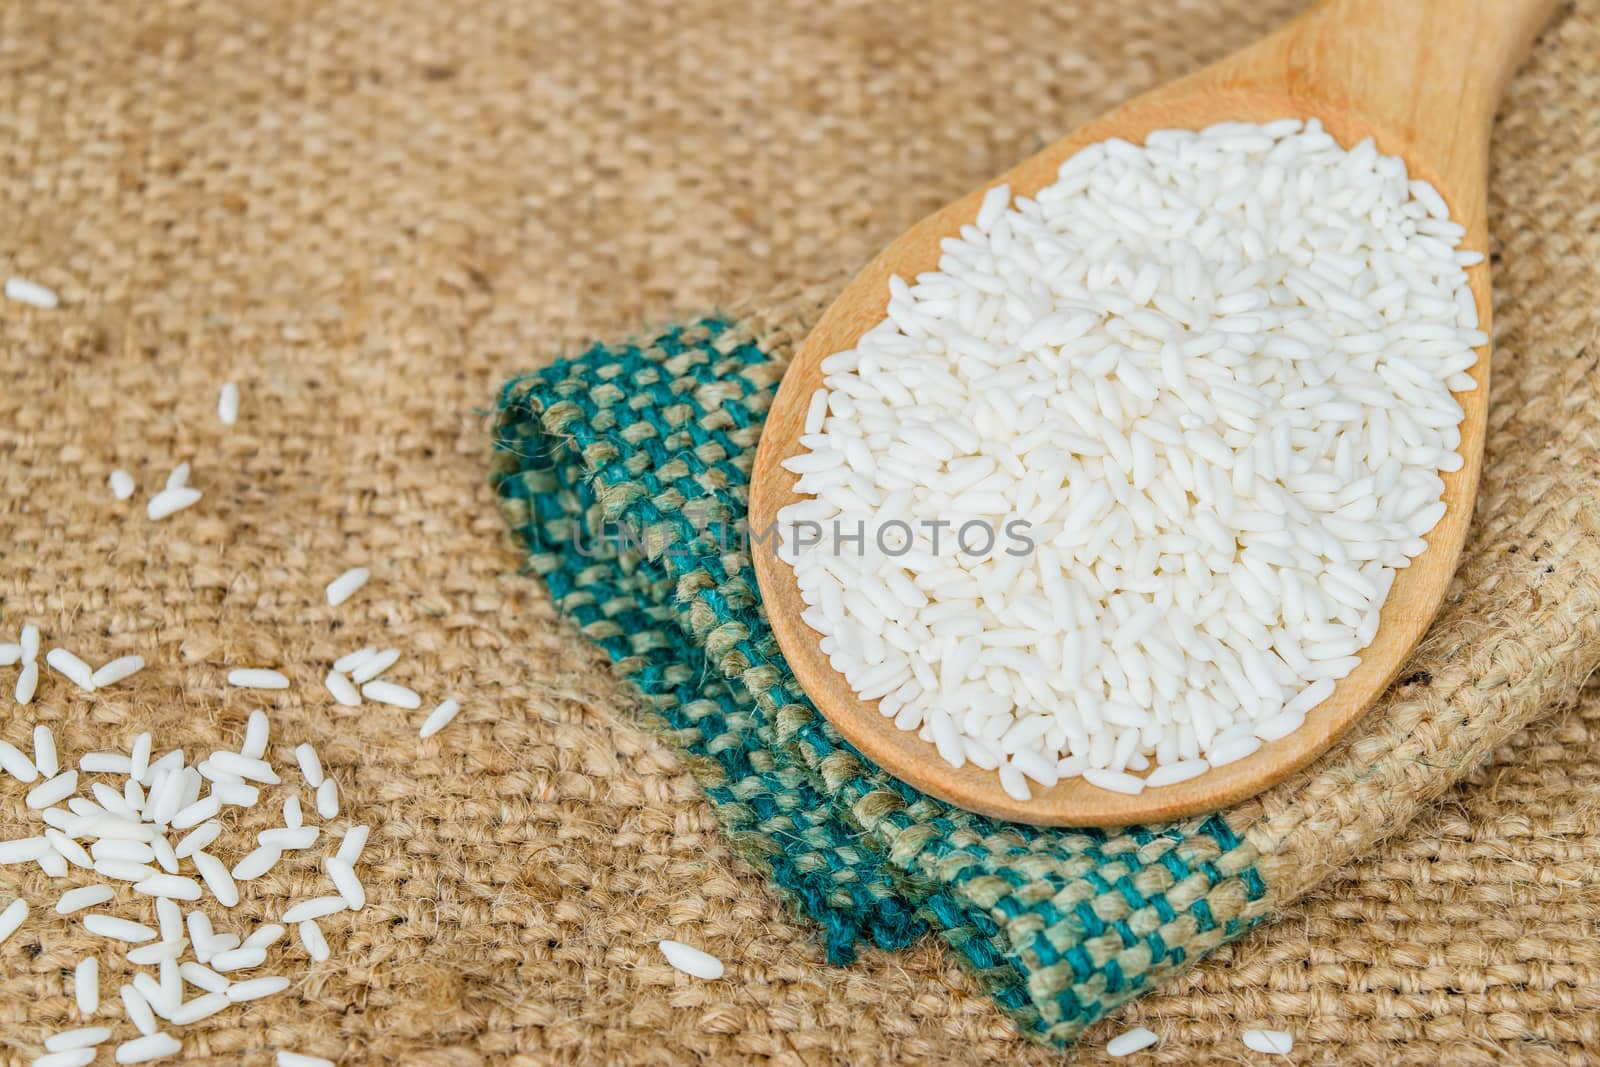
(285, 838)
(152, 954)
(86, 986)
(198, 838)
(18, 766)
(10, 654)
(170, 502)
(257, 678)
(300, 1059)
(144, 1049)
(328, 799)
(200, 930)
(202, 977)
(231, 791)
(169, 919)
(350, 661)
(68, 849)
(311, 936)
(373, 665)
(24, 291)
(27, 683)
(345, 881)
(1278, 1042)
(345, 586)
(1130, 1041)
(123, 828)
(53, 790)
(228, 404)
(256, 733)
(1232, 751)
(315, 908)
(1114, 781)
(1188, 407)
(310, 764)
(122, 484)
(24, 850)
(200, 811)
(439, 718)
(138, 1011)
(691, 961)
(118, 929)
(175, 886)
(342, 690)
(45, 760)
(71, 668)
(256, 863)
(265, 936)
(78, 1057)
(201, 1007)
(222, 943)
(123, 850)
(105, 763)
(86, 896)
(397, 696)
(256, 770)
(161, 1001)
(124, 870)
(179, 478)
(117, 670)
(238, 959)
(1173, 773)
(139, 759)
(355, 840)
(256, 988)
(83, 1037)
(12, 917)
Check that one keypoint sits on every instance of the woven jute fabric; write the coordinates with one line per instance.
(657, 441)
(370, 214)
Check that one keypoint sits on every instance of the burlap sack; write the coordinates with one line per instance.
(370, 215)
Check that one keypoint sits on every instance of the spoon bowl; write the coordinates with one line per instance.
(1421, 78)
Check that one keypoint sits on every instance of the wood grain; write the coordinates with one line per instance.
(1421, 78)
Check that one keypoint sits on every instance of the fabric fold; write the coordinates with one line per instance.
(624, 475)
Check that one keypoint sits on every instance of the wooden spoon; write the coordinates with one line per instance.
(1421, 77)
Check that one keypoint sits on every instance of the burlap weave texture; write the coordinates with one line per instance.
(369, 214)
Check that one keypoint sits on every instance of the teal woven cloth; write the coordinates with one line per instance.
(624, 474)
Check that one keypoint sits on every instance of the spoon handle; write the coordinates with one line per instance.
(1425, 75)
(1426, 58)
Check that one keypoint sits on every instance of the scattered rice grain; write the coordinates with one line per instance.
(691, 961)
(117, 670)
(158, 1045)
(31, 293)
(439, 718)
(228, 404)
(70, 667)
(342, 690)
(374, 665)
(397, 696)
(12, 917)
(83, 897)
(1130, 1041)
(346, 585)
(170, 502)
(257, 678)
(328, 799)
(1276, 1042)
